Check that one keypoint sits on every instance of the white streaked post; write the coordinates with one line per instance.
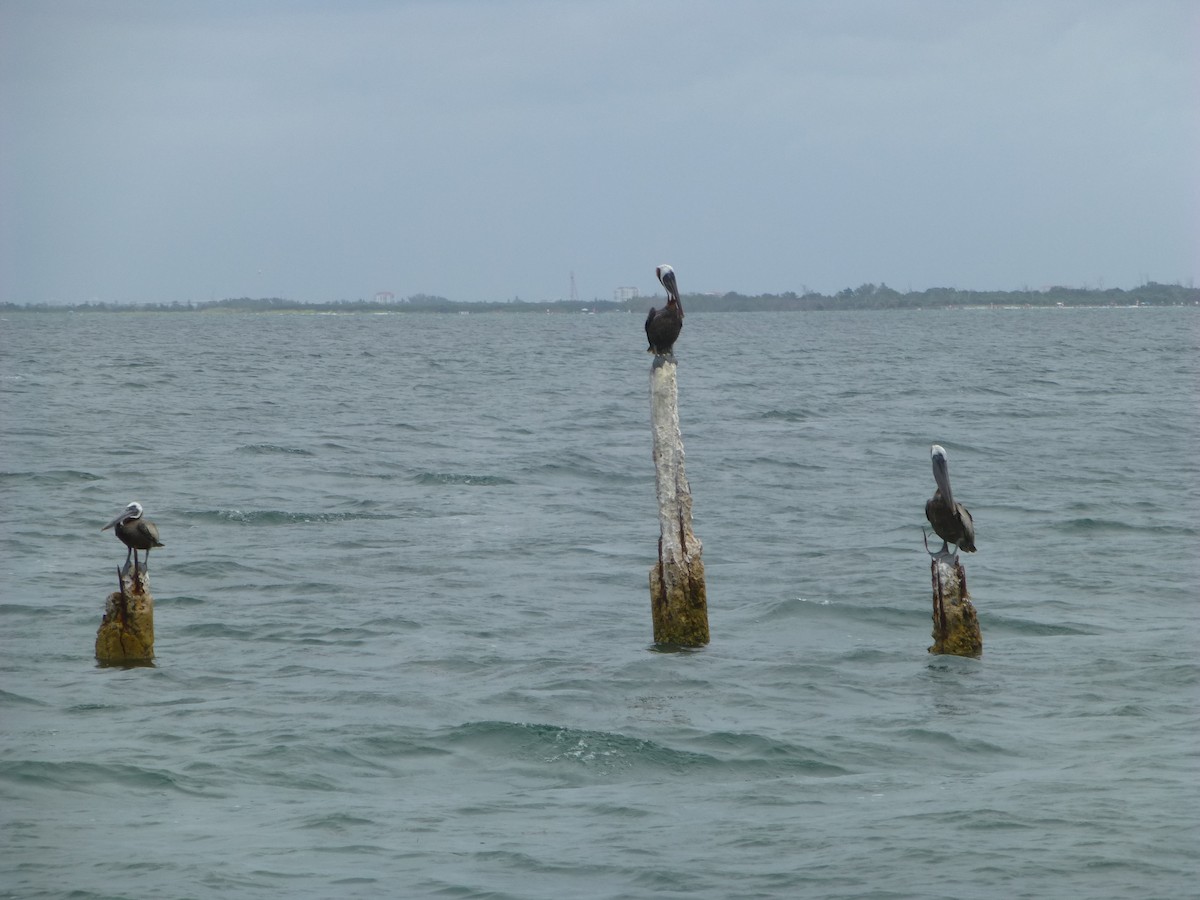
(678, 600)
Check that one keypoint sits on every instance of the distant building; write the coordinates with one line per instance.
(621, 294)
(385, 297)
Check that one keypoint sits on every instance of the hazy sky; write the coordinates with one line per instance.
(487, 149)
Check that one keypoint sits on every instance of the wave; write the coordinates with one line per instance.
(823, 607)
(96, 778)
(219, 630)
(453, 478)
(281, 517)
(7, 698)
(274, 448)
(959, 746)
(337, 822)
(1090, 525)
(212, 567)
(788, 415)
(1032, 628)
(53, 476)
(334, 637)
(180, 600)
(21, 609)
(611, 752)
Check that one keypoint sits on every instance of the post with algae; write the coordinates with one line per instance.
(126, 634)
(955, 625)
(678, 601)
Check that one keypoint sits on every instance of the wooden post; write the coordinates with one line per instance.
(678, 601)
(126, 633)
(955, 625)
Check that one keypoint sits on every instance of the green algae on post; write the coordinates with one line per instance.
(955, 625)
(126, 633)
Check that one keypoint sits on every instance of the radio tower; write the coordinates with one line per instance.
(574, 292)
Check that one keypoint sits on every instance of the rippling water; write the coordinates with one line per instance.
(403, 626)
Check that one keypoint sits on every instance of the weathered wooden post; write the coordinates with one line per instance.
(126, 633)
(677, 594)
(955, 625)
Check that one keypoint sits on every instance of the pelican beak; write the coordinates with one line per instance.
(941, 475)
(113, 522)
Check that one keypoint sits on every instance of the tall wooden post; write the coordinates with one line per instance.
(126, 633)
(955, 625)
(678, 601)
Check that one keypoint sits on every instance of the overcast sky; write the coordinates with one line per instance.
(487, 149)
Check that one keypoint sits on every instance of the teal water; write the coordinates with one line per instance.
(403, 626)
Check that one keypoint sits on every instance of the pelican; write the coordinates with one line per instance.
(951, 521)
(135, 533)
(663, 325)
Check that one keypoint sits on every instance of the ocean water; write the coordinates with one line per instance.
(403, 623)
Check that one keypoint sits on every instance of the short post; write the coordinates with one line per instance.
(126, 633)
(955, 625)
(678, 601)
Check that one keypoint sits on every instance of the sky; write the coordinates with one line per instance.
(486, 150)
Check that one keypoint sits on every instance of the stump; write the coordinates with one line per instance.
(955, 625)
(678, 601)
(126, 633)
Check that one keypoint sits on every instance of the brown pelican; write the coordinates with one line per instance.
(135, 533)
(951, 521)
(663, 325)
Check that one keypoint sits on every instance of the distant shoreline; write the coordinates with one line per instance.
(866, 297)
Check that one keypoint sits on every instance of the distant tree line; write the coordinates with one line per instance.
(880, 296)
(866, 296)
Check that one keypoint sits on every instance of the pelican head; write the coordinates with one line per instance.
(941, 473)
(666, 277)
(130, 513)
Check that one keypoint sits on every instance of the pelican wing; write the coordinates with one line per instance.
(148, 531)
(967, 526)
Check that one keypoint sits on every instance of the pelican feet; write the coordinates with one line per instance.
(944, 553)
(136, 571)
(135, 567)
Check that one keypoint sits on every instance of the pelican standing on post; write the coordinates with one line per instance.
(135, 533)
(663, 325)
(951, 521)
